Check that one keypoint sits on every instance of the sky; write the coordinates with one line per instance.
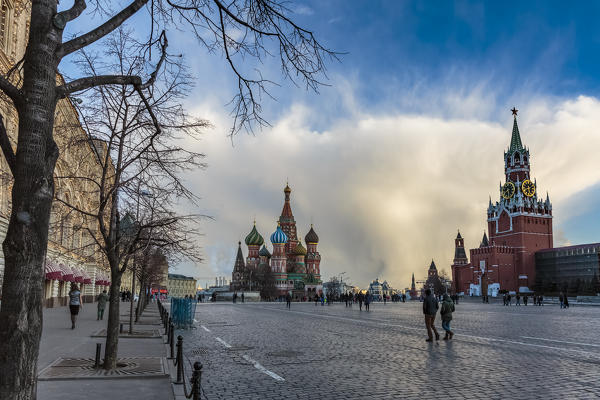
(405, 144)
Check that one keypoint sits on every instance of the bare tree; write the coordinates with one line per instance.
(137, 143)
(33, 88)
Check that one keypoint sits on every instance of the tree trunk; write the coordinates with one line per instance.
(27, 236)
(112, 330)
(132, 300)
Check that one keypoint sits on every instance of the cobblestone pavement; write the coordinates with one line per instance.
(264, 351)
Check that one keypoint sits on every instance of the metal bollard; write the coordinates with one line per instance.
(179, 359)
(196, 380)
(171, 338)
(98, 350)
(120, 328)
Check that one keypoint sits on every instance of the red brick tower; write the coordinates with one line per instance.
(288, 225)
(520, 220)
(279, 260)
(460, 259)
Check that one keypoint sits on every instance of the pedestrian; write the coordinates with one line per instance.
(234, 297)
(561, 299)
(404, 298)
(508, 298)
(316, 299)
(367, 301)
(384, 299)
(566, 301)
(518, 297)
(446, 314)
(534, 297)
(75, 303)
(360, 301)
(288, 301)
(541, 300)
(525, 300)
(504, 298)
(242, 297)
(346, 299)
(123, 294)
(102, 299)
(430, 307)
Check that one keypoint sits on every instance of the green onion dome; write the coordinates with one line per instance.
(254, 238)
(299, 250)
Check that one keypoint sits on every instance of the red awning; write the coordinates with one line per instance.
(67, 273)
(52, 271)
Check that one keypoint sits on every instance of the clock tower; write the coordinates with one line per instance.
(520, 219)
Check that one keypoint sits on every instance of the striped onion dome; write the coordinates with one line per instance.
(311, 236)
(254, 238)
(264, 252)
(299, 250)
(279, 236)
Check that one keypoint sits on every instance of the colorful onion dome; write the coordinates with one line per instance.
(299, 250)
(279, 236)
(254, 238)
(264, 252)
(311, 236)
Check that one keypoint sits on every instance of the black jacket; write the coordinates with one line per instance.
(430, 305)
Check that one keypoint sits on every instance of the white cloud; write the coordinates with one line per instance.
(386, 193)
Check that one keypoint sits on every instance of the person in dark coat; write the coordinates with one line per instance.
(446, 314)
(430, 307)
(288, 301)
(367, 301)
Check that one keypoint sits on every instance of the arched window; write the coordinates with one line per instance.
(517, 158)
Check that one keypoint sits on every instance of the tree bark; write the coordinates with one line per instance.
(26, 239)
(112, 330)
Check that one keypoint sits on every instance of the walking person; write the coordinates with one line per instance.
(384, 299)
(446, 314)
(316, 299)
(242, 297)
(288, 301)
(102, 299)
(566, 301)
(367, 301)
(430, 307)
(360, 301)
(525, 300)
(518, 297)
(75, 303)
(561, 299)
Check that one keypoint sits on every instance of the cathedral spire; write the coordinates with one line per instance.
(515, 140)
(287, 208)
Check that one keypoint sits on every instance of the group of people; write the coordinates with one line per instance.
(430, 308)
(564, 300)
(76, 303)
(126, 295)
(538, 300)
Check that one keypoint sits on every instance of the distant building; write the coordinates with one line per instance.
(433, 281)
(291, 267)
(180, 285)
(573, 269)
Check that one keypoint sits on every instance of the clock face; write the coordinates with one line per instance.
(528, 188)
(508, 190)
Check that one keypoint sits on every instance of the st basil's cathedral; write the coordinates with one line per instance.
(519, 226)
(296, 269)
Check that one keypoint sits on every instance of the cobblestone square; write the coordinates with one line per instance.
(264, 351)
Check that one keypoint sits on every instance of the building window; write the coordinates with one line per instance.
(5, 21)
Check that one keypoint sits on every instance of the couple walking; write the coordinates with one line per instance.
(430, 307)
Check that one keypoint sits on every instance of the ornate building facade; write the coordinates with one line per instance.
(72, 255)
(296, 269)
(519, 225)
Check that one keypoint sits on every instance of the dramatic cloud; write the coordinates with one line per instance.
(386, 193)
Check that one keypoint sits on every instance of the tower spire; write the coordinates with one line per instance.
(515, 140)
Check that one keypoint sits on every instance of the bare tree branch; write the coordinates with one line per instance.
(93, 81)
(6, 147)
(10, 90)
(75, 11)
(98, 33)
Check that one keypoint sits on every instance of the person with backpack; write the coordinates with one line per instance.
(430, 307)
(446, 314)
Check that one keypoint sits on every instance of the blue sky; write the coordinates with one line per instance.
(406, 144)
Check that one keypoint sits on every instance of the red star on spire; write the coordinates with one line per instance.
(514, 111)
